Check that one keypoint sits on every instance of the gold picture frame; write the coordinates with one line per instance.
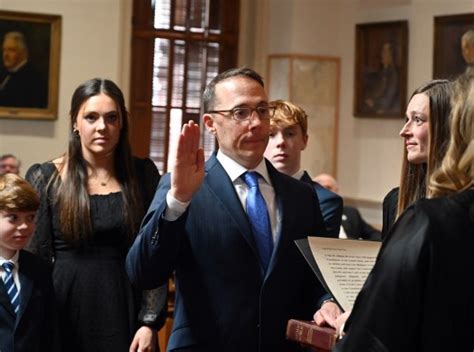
(29, 69)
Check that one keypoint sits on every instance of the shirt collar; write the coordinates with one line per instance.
(298, 174)
(235, 170)
(13, 259)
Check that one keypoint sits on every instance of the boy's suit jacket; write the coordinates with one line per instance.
(224, 301)
(330, 204)
(33, 329)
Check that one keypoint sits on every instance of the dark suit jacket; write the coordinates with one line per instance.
(34, 327)
(330, 204)
(419, 296)
(356, 227)
(224, 301)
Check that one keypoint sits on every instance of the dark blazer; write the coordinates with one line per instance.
(33, 330)
(356, 227)
(389, 207)
(419, 296)
(224, 301)
(330, 204)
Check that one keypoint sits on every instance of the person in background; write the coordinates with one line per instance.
(27, 309)
(353, 225)
(288, 139)
(426, 135)
(93, 198)
(227, 227)
(9, 164)
(21, 85)
(403, 305)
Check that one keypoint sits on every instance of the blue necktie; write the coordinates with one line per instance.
(257, 213)
(10, 286)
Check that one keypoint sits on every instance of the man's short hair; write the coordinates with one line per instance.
(288, 114)
(209, 95)
(8, 156)
(16, 194)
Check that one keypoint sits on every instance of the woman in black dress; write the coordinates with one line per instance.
(425, 134)
(420, 295)
(92, 201)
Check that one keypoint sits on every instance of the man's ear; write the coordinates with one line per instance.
(305, 141)
(209, 123)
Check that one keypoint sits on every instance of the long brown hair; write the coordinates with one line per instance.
(72, 196)
(414, 177)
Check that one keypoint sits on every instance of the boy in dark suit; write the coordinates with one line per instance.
(288, 139)
(26, 289)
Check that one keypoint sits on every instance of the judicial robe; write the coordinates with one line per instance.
(420, 294)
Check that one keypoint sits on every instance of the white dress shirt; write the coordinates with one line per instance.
(176, 208)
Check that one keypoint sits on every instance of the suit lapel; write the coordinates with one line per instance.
(285, 211)
(306, 178)
(223, 189)
(26, 286)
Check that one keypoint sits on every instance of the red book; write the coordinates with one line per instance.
(310, 334)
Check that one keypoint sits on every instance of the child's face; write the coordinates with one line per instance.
(284, 148)
(16, 228)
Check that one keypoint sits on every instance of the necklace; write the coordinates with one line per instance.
(104, 182)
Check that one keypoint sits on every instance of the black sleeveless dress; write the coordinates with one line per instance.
(97, 305)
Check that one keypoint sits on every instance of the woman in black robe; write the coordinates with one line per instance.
(420, 293)
(428, 109)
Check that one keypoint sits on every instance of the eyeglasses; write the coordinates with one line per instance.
(244, 113)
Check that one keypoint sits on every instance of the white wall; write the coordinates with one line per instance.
(95, 43)
(369, 156)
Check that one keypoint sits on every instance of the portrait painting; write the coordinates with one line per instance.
(29, 68)
(381, 69)
(453, 51)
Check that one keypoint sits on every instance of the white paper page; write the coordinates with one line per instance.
(345, 265)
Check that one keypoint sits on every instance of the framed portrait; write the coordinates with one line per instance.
(29, 69)
(448, 58)
(380, 82)
(311, 82)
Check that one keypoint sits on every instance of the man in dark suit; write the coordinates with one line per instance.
(353, 225)
(21, 85)
(237, 285)
(27, 318)
(288, 139)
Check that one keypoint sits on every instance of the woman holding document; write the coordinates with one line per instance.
(417, 297)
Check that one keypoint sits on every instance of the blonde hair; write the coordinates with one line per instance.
(288, 114)
(16, 194)
(456, 172)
